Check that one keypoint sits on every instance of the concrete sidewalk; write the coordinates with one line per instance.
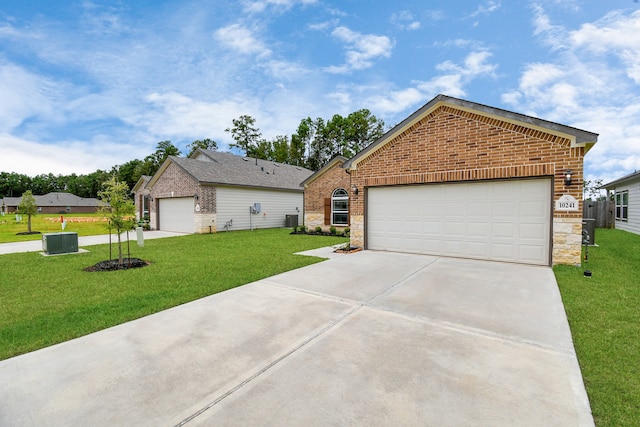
(369, 338)
(36, 245)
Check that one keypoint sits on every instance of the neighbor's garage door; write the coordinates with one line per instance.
(176, 214)
(497, 220)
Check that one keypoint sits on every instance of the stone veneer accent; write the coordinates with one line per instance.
(567, 241)
(319, 189)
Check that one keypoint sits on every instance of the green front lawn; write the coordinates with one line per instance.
(83, 224)
(47, 300)
(604, 315)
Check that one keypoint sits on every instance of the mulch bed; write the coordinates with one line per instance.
(349, 250)
(112, 265)
(27, 233)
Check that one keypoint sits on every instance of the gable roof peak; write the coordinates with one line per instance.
(578, 137)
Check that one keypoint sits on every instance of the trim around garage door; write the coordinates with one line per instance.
(505, 220)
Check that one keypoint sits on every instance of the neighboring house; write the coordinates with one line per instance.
(57, 202)
(142, 198)
(215, 191)
(462, 179)
(326, 203)
(626, 196)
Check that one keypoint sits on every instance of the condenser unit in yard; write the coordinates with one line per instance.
(60, 243)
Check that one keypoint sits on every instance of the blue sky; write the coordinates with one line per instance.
(88, 85)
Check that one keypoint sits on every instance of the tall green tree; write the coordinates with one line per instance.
(118, 208)
(28, 207)
(205, 144)
(152, 162)
(361, 128)
(245, 134)
(324, 139)
(128, 172)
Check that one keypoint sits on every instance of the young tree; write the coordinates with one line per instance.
(118, 209)
(28, 207)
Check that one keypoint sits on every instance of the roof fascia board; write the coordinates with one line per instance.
(254, 187)
(625, 179)
(323, 170)
(164, 167)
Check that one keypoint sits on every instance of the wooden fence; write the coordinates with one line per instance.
(602, 211)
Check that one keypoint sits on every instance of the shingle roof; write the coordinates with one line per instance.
(229, 169)
(56, 199)
(631, 177)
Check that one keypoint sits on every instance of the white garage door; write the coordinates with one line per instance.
(176, 214)
(497, 220)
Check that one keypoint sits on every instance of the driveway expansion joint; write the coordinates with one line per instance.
(275, 362)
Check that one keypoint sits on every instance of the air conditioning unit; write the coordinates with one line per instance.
(60, 243)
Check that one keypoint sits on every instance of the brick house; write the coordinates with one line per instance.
(54, 203)
(462, 179)
(214, 191)
(326, 202)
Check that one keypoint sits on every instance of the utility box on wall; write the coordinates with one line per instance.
(60, 243)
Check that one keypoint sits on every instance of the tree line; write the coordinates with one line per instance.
(314, 143)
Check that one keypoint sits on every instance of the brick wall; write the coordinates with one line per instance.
(320, 189)
(175, 182)
(456, 145)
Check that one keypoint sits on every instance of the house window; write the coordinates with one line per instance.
(622, 205)
(340, 207)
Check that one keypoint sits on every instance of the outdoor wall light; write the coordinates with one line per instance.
(354, 189)
(567, 177)
(195, 196)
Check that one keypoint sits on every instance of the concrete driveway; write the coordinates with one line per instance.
(369, 338)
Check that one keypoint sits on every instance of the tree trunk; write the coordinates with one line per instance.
(29, 223)
(119, 248)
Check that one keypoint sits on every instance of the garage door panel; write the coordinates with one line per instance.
(532, 231)
(455, 229)
(479, 229)
(499, 220)
(176, 214)
(504, 230)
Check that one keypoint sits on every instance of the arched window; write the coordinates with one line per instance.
(340, 207)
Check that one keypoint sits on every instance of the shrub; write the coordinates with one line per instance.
(347, 231)
(318, 229)
(332, 230)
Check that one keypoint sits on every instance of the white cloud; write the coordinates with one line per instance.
(452, 82)
(615, 34)
(486, 8)
(32, 158)
(174, 115)
(24, 96)
(395, 101)
(405, 20)
(241, 39)
(589, 84)
(362, 49)
(281, 5)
